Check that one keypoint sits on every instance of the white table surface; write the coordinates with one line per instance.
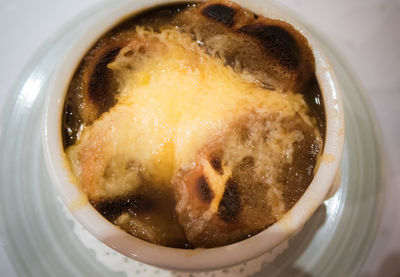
(365, 32)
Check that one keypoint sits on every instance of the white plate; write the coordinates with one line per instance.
(42, 239)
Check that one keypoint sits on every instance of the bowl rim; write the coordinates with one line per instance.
(187, 259)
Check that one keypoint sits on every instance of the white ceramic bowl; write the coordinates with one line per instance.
(181, 259)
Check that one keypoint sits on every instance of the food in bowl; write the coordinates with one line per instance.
(195, 125)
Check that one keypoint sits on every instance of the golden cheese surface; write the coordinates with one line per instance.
(173, 99)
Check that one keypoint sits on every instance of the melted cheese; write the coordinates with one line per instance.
(172, 101)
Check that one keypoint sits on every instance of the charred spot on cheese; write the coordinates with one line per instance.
(277, 42)
(113, 208)
(229, 207)
(246, 163)
(195, 124)
(101, 81)
(204, 191)
(220, 13)
(215, 162)
(148, 214)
